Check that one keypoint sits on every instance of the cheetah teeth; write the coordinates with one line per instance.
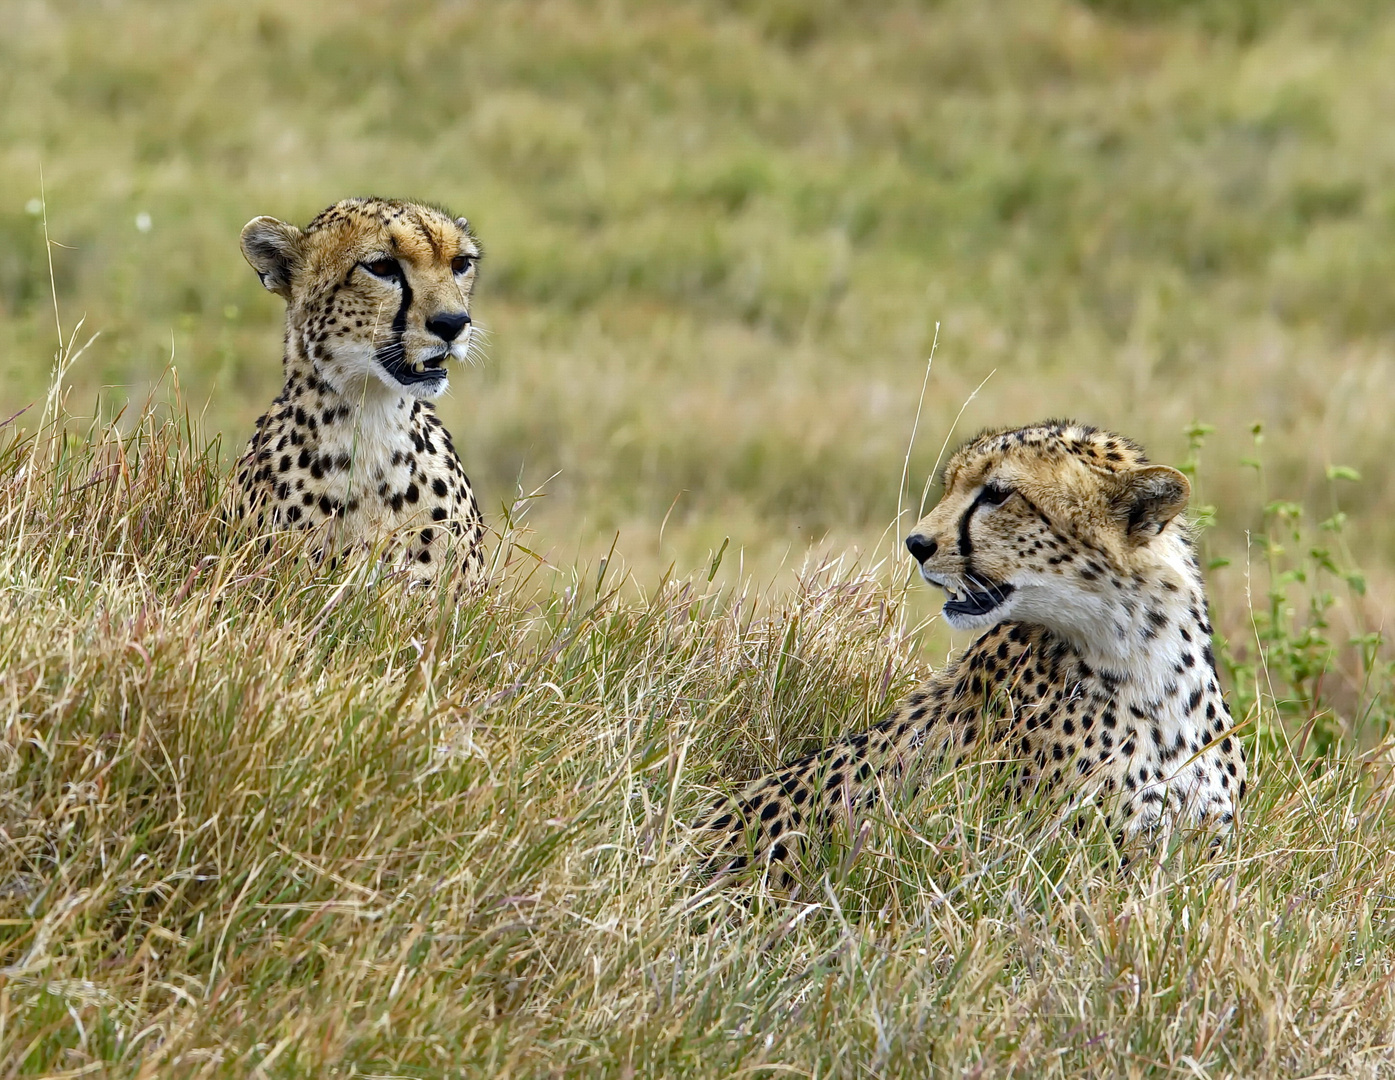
(419, 366)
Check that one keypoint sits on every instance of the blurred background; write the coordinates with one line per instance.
(721, 235)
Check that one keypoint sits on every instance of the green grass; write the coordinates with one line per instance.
(722, 234)
(258, 821)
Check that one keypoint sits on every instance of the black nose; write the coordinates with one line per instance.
(448, 324)
(921, 547)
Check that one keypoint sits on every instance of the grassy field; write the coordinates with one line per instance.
(257, 822)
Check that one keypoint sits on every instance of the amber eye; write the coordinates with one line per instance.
(460, 264)
(382, 267)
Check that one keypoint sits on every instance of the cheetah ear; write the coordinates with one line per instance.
(273, 249)
(1147, 498)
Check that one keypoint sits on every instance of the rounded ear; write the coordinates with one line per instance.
(273, 249)
(1147, 498)
(463, 224)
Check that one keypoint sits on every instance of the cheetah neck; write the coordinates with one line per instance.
(1149, 651)
(1142, 632)
(367, 420)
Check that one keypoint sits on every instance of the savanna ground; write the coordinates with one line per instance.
(255, 821)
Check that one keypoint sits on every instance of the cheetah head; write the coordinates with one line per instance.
(1049, 524)
(377, 291)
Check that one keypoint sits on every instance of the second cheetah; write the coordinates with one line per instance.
(1094, 672)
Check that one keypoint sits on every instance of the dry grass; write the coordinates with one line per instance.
(258, 822)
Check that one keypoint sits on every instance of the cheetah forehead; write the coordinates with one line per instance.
(417, 231)
(1046, 448)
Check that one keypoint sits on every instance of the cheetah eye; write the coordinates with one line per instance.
(460, 264)
(384, 268)
(995, 494)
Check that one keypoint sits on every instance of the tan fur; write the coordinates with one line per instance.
(1094, 672)
(378, 295)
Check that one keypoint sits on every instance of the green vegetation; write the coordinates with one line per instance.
(256, 821)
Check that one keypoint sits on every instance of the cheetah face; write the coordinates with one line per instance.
(1042, 525)
(956, 548)
(378, 292)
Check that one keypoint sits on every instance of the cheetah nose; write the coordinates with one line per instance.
(921, 547)
(447, 325)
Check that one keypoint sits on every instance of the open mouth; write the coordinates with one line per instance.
(971, 605)
(426, 369)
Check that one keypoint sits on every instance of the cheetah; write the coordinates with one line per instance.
(1094, 674)
(377, 298)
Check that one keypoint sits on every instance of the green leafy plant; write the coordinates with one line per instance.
(1299, 575)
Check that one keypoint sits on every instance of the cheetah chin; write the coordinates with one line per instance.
(970, 610)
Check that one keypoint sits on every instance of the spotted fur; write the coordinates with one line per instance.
(1094, 674)
(377, 302)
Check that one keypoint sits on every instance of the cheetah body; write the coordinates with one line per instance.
(1094, 674)
(351, 449)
